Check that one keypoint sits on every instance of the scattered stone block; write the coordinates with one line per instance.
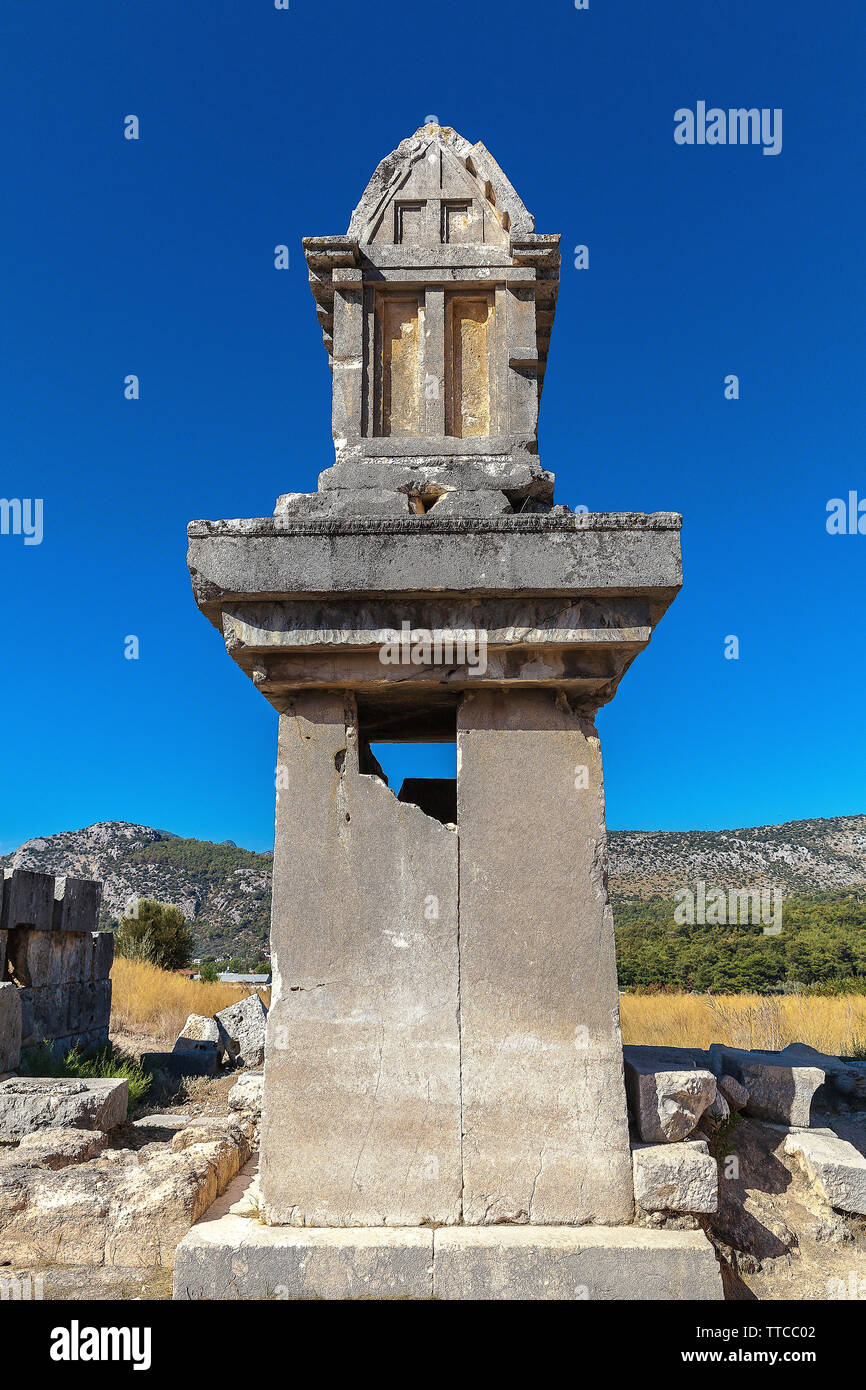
(120, 1207)
(779, 1088)
(736, 1095)
(676, 1177)
(847, 1078)
(246, 1094)
(666, 1100)
(28, 1104)
(60, 1148)
(718, 1109)
(201, 1034)
(244, 1027)
(10, 1027)
(180, 1064)
(834, 1167)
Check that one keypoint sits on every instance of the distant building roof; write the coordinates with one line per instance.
(230, 979)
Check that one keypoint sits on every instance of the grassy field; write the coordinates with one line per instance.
(834, 1024)
(153, 1003)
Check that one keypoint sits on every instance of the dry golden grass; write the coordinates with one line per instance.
(836, 1024)
(155, 1003)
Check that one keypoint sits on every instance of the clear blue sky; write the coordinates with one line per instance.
(261, 126)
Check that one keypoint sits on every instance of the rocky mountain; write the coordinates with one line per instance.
(225, 891)
(802, 856)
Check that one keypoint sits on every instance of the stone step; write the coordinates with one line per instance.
(236, 1257)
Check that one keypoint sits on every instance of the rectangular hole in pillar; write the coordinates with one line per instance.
(415, 754)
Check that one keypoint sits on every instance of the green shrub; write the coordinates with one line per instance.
(87, 1065)
(158, 933)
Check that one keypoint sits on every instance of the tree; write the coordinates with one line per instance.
(158, 933)
(208, 971)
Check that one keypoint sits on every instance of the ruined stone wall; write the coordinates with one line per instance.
(58, 963)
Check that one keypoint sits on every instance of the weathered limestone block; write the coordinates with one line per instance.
(370, 502)
(846, 1078)
(243, 1028)
(486, 473)
(74, 956)
(233, 1256)
(667, 1105)
(120, 1208)
(544, 1114)
(31, 957)
(736, 1095)
(28, 1104)
(666, 1101)
(779, 1088)
(573, 1262)
(50, 1012)
(479, 502)
(59, 1148)
(676, 1177)
(10, 1027)
(88, 1011)
(28, 900)
(25, 1002)
(362, 1084)
(204, 1061)
(103, 954)
(835, 1168)
(246, 1095)
(77, 903)
(718, 1108)
(100, 995)
(201, 1034)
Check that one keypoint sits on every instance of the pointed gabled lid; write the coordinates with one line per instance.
(465, 177)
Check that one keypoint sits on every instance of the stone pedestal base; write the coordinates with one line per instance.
(232, 1257)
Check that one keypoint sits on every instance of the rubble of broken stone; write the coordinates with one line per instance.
(682, 1099)
(79, 1185)
(234, 1037)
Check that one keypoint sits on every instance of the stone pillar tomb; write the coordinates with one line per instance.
(444, 1108)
